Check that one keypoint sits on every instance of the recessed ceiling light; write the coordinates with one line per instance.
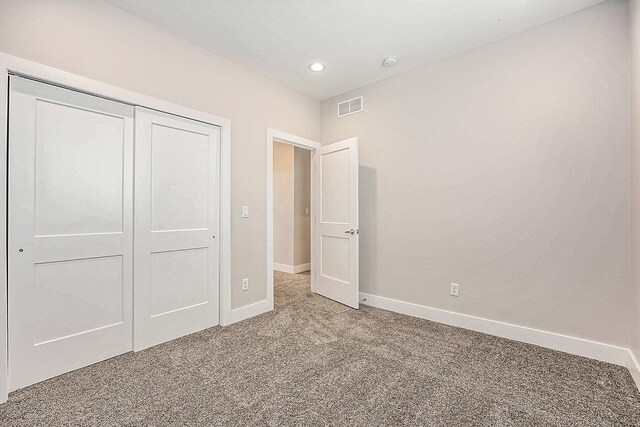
(316, 66)
(390, 61)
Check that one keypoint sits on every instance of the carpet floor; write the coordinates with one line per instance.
(313, 362)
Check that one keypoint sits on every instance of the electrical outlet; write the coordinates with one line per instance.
(455, 289)
(245, 284)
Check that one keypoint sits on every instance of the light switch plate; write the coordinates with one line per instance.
(245, 212)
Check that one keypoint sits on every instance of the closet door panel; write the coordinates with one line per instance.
(70, 230)
(177, 220)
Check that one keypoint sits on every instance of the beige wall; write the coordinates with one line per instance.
(283, 203)
(504, 169)
(302, 201)
(634, 15)
(291, 195)
(99, 41)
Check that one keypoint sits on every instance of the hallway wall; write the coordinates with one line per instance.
(291, 199)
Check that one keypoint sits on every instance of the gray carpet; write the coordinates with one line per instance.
(316, 362)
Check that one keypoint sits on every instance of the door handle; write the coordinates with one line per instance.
(352, 232)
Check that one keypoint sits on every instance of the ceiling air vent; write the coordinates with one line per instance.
(351, 106)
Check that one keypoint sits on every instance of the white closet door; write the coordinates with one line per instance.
(70, 230)
(176, 227)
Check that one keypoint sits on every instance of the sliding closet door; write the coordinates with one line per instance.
(70, 230)
(177, 167)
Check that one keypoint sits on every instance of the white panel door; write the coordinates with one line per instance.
(177, 168)
(70, 230)
(337, 223)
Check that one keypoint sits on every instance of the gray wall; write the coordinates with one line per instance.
(102, 42)
(634, 15)
(504, 169)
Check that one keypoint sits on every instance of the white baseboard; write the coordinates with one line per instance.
(568, 344)
(283, 268)
(302, 267)
(578, 346)
(251, 310)
(633, 364)
(292, 269)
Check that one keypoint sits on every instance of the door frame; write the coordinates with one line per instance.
(273, 136)
(13, 65)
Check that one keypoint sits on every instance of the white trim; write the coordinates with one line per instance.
(634, 368)
(279, 136)
(291, 269)
(301, 268)
(225, 231)
(4, 105)
(578, 346)
(251, 310)
(11, 64)
(283, 268)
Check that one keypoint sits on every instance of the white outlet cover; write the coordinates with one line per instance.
(245, 284)
(455, 289)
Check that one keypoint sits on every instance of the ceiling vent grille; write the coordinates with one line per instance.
(351, 106)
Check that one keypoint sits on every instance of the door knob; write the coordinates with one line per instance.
(352, 232)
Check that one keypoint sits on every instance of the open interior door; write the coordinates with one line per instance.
(337, 223)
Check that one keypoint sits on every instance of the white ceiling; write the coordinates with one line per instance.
(279, 38)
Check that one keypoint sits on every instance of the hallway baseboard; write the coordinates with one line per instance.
(292, 269)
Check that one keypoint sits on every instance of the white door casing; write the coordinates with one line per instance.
(177, 205)
(337, 234)
(70, 230)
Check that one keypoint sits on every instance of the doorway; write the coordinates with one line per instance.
(282, 147)
(291, 221)
(333, 217)
(291, 208)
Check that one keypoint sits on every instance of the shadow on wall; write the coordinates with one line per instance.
(368, 228)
